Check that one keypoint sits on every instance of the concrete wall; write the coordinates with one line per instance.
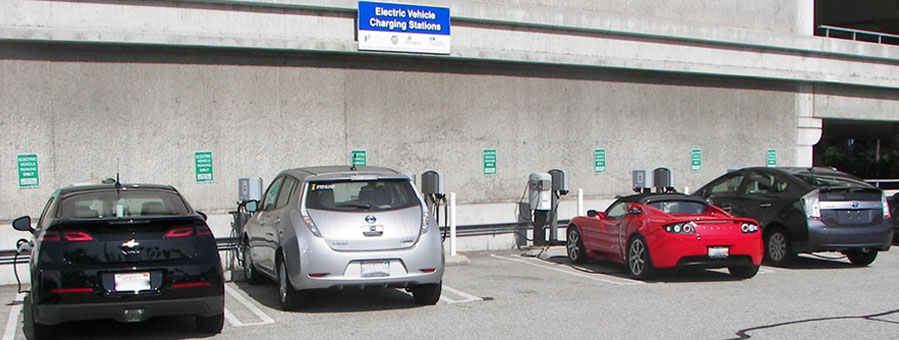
(89, 113)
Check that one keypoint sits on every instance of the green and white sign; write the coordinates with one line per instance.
(27, 165)
(696, 160)
(490, 161)
(203, 166)
(599, 160)
(358, 158)
(772, 158)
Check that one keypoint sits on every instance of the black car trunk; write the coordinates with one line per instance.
(119, 241)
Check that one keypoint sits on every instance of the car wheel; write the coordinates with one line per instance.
(38, 331)
(249, 268)
(427, 294)
(861, 257)
(777, 248)
(639, 263)
(211, 324)
(743, 272)
(289, 297)
(575, 245)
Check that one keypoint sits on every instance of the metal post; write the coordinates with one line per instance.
(452, 205)
(580, 202)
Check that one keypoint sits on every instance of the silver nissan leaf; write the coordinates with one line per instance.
(340, 227)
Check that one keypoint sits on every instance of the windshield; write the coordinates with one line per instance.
(831, 181)
(679, 207)
(124, 203)
(370, 195)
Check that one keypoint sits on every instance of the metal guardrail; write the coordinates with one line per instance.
(855, 33)
(8, 257)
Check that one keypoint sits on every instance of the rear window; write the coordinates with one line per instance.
(832, 181)
(125, 203)
(373, 195)
(679, 207)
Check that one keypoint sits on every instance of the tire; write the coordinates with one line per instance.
(427, 294)
(250, 273)
(743, 272)
(778, 251)
(576, 251)
(861, 257)
(288, 296)
(211, 324)
(38, 331)
(639, 262)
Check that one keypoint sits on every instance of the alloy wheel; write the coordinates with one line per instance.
(777, 247)
(574, 251)
(637, 257)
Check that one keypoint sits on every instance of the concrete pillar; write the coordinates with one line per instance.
(808, 128)
(805, 17)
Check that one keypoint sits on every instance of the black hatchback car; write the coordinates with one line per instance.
(805, 210)
(122, 252)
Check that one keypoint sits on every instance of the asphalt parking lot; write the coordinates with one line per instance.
(503, 295)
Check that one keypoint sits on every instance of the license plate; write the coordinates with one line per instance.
(132, 282)
(375, 268)
(718, 252)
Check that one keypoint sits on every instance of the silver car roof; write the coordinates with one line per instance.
(344, 172)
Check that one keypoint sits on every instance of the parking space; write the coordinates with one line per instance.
(505, 295)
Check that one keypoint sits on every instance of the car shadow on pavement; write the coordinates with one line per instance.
(334, 300)
(617, 270)
(174, 327)
(821, 261)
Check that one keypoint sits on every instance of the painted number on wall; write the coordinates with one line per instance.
(27, 165)
(203, 166)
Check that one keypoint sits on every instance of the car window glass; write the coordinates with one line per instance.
(727, 186)
(268, 202)
(371, 195)
(616, 211)
(831, 180)
(286, 192)
(122, 203)
(40, 221)
(759, 184)
(679, 207)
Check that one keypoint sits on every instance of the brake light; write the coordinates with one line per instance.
(68, 235)
(424, 222)
(180, 232)
(812, 205)
(311, 225)
(680, 228)
(886, 207)
(191, 284)
(428, 270)
(203, 231)
(71, 290)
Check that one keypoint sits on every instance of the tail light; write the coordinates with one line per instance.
(180, 232)
(886, 207)
(191, 284)
(812, 206)
(311, 225)
(71, 290)
(680, 228)
(204, 231)
(425, 219)
(748, 228)
(68, 235)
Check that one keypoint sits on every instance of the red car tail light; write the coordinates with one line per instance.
(71, 290)
(191, 284)
(180, 232)
(680, 228)
(68, 235)
(204, 231)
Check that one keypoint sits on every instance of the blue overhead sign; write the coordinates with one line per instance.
(403, 28)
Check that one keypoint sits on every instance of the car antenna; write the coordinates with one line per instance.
(353, 167)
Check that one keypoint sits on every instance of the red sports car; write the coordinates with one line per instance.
(652, 231)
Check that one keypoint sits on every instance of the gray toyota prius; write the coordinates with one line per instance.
(339, 227)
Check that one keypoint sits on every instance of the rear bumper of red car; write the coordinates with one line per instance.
(674, 250)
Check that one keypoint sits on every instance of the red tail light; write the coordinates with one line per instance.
(429, 270)
(203, 231)
(71, 290)
(68, 235)
(180, 232)
(191, 285)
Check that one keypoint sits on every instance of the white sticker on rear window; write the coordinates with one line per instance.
(317, 186)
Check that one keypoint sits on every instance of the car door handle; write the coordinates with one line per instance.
(261, 222)
(277, 220)
(765, 205)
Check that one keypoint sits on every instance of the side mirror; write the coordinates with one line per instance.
(23, 224)
(634, 209)
(591, 213)
(252, 206)
(205, 218)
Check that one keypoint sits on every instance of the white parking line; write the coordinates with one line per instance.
(468, 297)
(12, 322)
(250, 306)
(567, 270)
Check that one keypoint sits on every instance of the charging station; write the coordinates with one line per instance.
(539, 207)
